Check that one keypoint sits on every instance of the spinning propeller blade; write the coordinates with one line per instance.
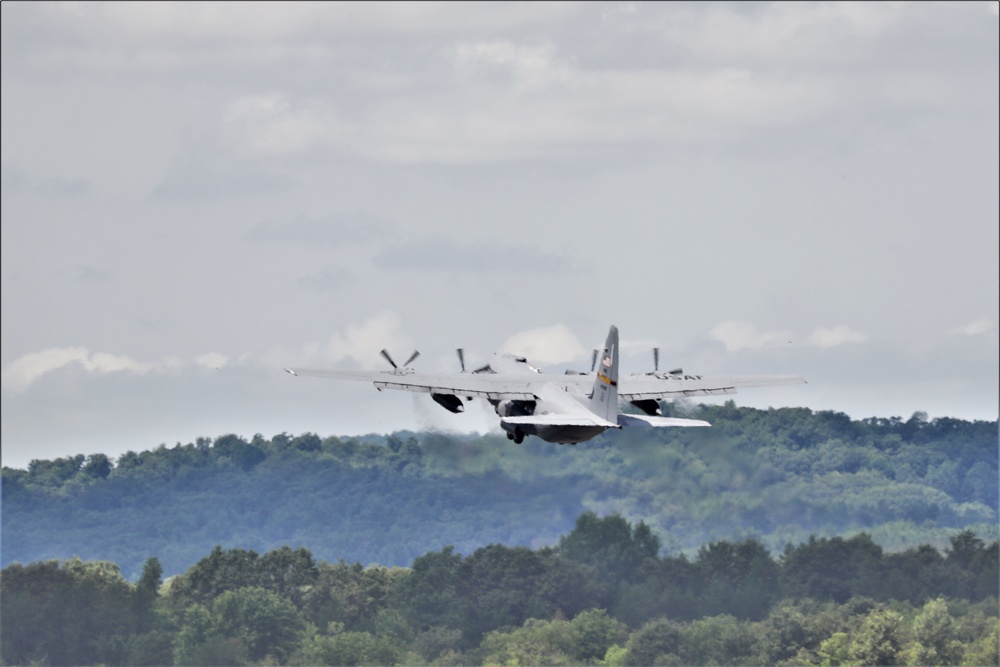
(385, 353)
(395, 366)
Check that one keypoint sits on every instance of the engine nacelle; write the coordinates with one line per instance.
(512, 408)
(449, 402)
(650, 406)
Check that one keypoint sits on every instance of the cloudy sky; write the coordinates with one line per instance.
(196, 195)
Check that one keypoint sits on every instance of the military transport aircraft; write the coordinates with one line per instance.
(566, 409)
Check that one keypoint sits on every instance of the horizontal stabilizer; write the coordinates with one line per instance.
(647, 420)
(560, 420)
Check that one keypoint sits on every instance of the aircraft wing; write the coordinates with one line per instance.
(493, 386)
(666, 385)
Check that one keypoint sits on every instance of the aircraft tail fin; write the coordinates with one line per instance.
(604, 399)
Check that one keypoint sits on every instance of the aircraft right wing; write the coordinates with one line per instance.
(668, 385)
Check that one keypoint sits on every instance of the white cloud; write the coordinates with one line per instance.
(609, 11)
(545, 345)
(507, 99)
(211, 360)
(20, 374)
(270, 124)
(29, 368)
(744, 336)
(782, 32)
(974, 328)
(531, 66)
(834, 336)
(361, 343)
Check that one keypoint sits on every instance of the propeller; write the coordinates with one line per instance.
(385, 353)
(461, 360)
(593, 366)
(656, 365)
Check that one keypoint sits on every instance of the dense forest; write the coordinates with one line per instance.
(775, 476)
(603, 595)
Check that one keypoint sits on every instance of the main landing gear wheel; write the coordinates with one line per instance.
(517, 436)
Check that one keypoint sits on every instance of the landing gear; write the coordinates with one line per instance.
(517, 436)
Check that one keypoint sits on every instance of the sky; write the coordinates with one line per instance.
(196, 195)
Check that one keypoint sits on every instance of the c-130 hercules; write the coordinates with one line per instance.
(565, 409)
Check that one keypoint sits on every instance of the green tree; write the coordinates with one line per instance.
(98, 466)
(668, 587)
(196, 629)
(241, 453)
(146, 594)
(151, 649)
(349, 594)
(984, 650)
(264, 622)
(435, 642)
(428, 596)
(797, 626)
(833, 651)
(657, 642)
(739, 579)
(595, 632)
(505, 586)
(611, 544)
(935, 641)
(584, 640)
(832, 569)
(878, 640)
(536, 642)
(718, 640)
(346, 648)
(287, 572)
(220, 571)
(68, 613)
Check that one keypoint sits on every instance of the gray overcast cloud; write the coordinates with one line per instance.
(195, 195)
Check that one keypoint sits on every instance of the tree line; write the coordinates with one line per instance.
(776, 476)
(603, 595)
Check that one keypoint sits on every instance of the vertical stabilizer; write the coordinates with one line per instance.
(604, 400)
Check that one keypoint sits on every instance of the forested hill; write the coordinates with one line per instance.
(776, 475)
(601, 596)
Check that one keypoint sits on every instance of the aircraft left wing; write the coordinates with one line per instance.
(486, 385)
(668, 385)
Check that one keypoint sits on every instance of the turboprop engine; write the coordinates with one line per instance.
(449, 402)
(511, 408)
(650, 406)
